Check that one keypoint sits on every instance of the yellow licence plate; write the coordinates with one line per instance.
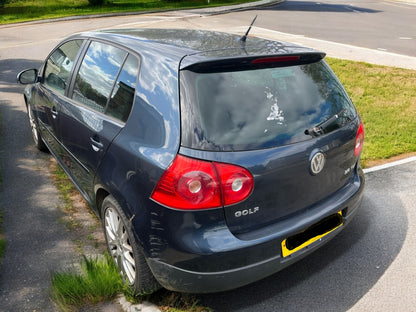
(299, 241)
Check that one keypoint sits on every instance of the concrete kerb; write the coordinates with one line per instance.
(236, 7)
(141, 307)
(389, 165)
(410, 2)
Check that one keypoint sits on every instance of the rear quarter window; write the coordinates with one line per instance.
(261, 108)
(122, 97)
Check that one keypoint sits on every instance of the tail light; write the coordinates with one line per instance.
(192, 184)
(290, 58)
(359, 140)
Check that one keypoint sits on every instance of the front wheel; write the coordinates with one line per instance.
(124, 250)
(37, 138)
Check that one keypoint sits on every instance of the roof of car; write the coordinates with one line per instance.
(200, 45)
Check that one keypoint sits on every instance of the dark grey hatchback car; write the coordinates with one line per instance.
(212, 161)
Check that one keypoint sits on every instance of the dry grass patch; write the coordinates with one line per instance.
(78, 216)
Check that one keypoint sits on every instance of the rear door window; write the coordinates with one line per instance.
(97, 74)
(106, 80)
(260, 108)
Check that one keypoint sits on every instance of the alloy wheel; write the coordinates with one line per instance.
(33, 126)
(119, 245)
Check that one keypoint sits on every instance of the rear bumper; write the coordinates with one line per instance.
(177, 278)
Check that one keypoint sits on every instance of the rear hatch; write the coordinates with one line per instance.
(286, 119)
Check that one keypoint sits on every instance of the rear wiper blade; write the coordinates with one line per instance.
(319, 129)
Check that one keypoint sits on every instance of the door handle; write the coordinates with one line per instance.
(96, 145)
(54, 112)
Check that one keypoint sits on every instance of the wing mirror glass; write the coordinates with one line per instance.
(28, 76)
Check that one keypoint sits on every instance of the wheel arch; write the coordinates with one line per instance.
(100, 195)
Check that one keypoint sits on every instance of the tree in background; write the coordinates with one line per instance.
(3, 2)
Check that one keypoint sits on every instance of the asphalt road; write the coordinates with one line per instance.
(37, 242)
(380, 25)
(368, 267)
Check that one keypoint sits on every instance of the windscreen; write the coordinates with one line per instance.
(261, 108)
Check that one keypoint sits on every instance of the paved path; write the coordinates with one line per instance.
(37, 242)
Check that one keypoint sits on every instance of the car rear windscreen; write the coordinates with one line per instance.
(261, 108)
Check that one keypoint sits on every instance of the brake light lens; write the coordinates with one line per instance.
(359, 140)
(290, 58)
(192, 184)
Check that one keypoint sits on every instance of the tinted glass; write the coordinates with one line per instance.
(261, 108)
(97, 74)
(59, 65)
(122, 97)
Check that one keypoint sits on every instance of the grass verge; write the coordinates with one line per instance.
(385, 97)
(64, 185)
(28, 10)
(98, 281)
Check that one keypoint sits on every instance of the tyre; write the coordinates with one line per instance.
(124, 249)
(37, 137)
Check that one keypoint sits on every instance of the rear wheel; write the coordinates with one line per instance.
(37, 138)
(124, 249)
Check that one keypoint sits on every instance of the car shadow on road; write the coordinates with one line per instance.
(307, 6)
(336, 276)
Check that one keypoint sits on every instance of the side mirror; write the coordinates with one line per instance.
(28, 76)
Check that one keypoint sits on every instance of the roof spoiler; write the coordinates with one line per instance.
(254, 62)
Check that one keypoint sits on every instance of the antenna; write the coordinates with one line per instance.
(243, 38)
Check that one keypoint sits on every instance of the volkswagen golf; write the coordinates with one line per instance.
(213, 160)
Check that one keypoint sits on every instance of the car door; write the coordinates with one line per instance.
(52, 89)
(102, 94)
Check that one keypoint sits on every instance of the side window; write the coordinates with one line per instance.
(59, 65)
(122, 96)
(97, 74)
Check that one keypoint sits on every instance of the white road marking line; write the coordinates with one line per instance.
(389, 165)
